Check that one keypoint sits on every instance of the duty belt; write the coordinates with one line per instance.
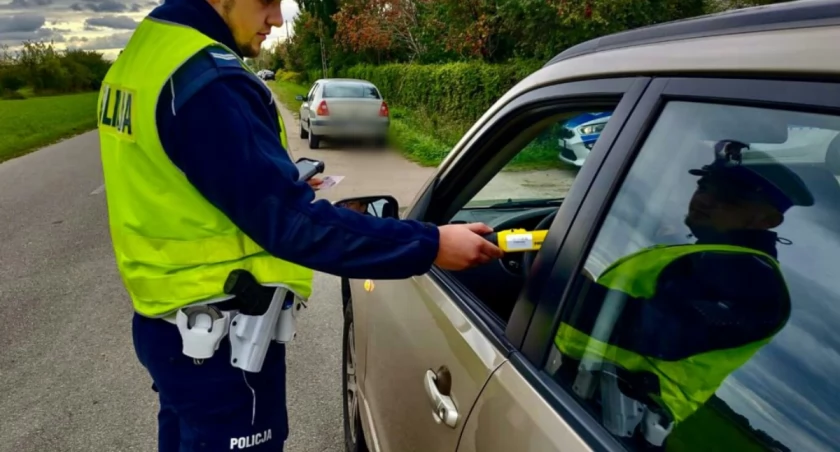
(255, 316)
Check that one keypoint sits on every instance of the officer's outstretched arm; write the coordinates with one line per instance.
(225, 141)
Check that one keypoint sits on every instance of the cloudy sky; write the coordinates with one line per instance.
(102, 25)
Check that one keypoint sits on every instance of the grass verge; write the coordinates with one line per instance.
(426, 137)
(286, 92)
(28, 124)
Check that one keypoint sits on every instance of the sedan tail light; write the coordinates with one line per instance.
(322, 109)
(383, 109)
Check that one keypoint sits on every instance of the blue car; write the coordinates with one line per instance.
(580, 134)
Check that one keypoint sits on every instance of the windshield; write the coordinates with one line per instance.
(350, 90)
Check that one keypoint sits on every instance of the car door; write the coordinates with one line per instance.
(782, 397)
(431, 342)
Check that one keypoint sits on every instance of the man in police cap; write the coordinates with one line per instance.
(695, 313)
(199, 186)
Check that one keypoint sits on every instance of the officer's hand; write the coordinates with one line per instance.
(462, 247)
(315, 182)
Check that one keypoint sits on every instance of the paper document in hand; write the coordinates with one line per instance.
(329, 181)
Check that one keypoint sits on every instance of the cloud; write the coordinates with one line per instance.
(116, 22)
(114, 41)
(21, 23)
(58, 20)
(290, 12)
(14, 29)
(16, 38)
(24, 4)
(98, 6)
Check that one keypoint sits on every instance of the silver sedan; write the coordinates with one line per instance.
(343, 108)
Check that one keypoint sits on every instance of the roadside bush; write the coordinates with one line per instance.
(87, 69)
(460, 91)
(289, 76)
(11, 78)
(47, 71)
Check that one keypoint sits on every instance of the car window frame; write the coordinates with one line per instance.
(559, 292)
(489, 140)
(311, 95)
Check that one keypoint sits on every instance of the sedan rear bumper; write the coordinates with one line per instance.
(349, 128)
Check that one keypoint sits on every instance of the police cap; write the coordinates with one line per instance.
(758, 177)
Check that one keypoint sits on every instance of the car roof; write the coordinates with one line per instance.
(798, 14)
(351, 80)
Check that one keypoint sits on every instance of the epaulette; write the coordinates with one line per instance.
(204, 67)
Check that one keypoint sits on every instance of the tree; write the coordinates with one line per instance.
(391, 26)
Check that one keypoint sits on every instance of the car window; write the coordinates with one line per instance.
(520, 195)
(312, 92)
(547, 165)
(704, 317)
(350, 90)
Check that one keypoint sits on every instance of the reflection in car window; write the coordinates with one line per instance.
(350, 90)
(546, 167)
(707, 318)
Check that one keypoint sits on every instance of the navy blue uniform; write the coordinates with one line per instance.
(218, 126)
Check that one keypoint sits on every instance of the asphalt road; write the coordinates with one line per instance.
(70, 379)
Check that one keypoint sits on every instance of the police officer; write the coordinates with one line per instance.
(695, 313)
(199, 184)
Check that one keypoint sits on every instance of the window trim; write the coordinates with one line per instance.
(311, 96)
(492, 137)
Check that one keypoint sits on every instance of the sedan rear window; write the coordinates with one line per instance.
(351, 90)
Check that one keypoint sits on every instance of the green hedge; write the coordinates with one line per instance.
(461, 91)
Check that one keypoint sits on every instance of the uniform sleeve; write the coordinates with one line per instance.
(225, 141)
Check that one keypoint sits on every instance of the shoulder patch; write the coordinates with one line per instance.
(223, 57)
(200, 70)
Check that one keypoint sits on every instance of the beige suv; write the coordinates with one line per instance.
(686, 296)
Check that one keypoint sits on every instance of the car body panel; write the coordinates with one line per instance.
(510, 415)
(413, 326)
(355, 287)
(328, 126)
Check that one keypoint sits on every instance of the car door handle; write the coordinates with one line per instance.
(443, 409)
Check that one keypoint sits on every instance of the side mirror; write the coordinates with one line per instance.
(299, 97)
(377, 206)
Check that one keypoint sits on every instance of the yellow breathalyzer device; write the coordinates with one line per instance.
(517, 240)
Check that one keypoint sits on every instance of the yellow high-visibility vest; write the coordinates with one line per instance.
(172, 246)
(685, 384)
